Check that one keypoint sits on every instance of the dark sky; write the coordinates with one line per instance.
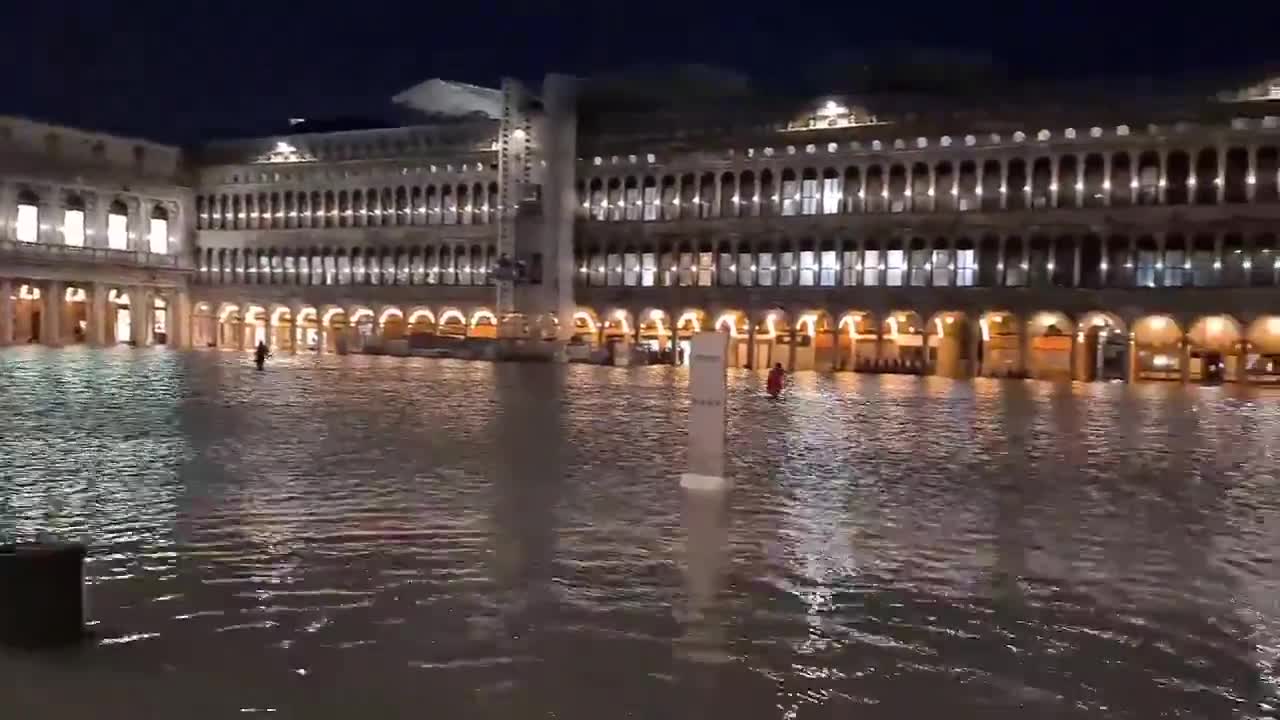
(181, 69)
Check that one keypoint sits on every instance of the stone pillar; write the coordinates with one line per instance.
(1131, 362)
(791, 350)
(1220, 182)
(1004, 187)
(1164, 177)
(98, 314)
(717, 198)
(1217, 259)
(1075, 260)
(1160, 269)
(1184, 359)
(6, 312)
(1055, 166)
(1024, 352)
(1106, 183)
(751, 342)
(54, 297)
(179, 321)
(1079, 357)
(140, 315)
(321, 338)
(975, 346)
(1251, 175)
(293, 332)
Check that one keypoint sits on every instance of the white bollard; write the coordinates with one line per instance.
(708, 354)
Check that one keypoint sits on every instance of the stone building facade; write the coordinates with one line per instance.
(1130, 238)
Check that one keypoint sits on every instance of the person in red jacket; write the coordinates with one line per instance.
(774, 385)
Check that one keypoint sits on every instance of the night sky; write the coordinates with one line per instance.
(183, 69)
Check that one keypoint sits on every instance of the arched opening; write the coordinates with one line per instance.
(391, 324)
(1216, 350)
(452, 324)
(951, 351)
(75, 315)
(772, 340)
(421, 323)
(689, 323)
(856, 341)
(1262, 363)
(813, 342)
(281, 335)
(735, 324)
(1157, 349)
(654, 335)
(484, 324)
(1049, 338)
(999, 350)
(335, 324)
(257, 326)
(617, 331)
(230, 324)
(308, 325)
(902, 348)
(204, 326)
(1102, 348)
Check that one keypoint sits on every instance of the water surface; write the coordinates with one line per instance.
(379, 537)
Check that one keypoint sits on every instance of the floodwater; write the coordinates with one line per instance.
(344, 537)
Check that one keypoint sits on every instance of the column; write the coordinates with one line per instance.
(717, 198)
(1000, 247)
(6, 312)
(1132, 261)
(1184, 360)
(1251, 175)
(952, 261)
(1220, 182)
(54, 296)
(98, 314)
(678, 201)
(673, 317)
(975, 345)
(758, 195)
(1217, 260)
(140, 316)
(1075, 261)
(1004, 186)
(320, 339)
(293, 332)
(1024, 367)
(179, 320)
(1160, 241)
(980, 170)
(1131, 360)
(1051, 264)
(1054, 166)
(1106, 181)
(791, 349)
(1164, 176)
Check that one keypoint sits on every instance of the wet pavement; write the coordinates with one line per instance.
(346, 537)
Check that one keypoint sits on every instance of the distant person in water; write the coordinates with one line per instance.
(260, 355)
(774, 385)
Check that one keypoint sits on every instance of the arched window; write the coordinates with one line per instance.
(28, 224)
(73, 222)
(158, 231)
(118, 226)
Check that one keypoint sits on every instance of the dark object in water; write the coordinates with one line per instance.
(41, 594)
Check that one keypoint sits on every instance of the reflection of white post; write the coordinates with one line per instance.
(707, 361)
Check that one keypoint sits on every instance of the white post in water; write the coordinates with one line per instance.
(707, 362)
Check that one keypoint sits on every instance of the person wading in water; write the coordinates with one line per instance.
(260, 355)
(774, 385)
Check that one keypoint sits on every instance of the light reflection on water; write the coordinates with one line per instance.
(343, 537)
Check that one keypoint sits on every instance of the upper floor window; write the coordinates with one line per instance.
(28, 223)
(896, 262)
(790, 197)
(809, 196)
(832, 194)
(966, 267)
(651, 202)
(73, 223)
(158, 232)
(118, 226)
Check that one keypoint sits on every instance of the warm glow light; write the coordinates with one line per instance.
(278, 315)
(691, 318)
(586, 319)
(728, 321)
(255, 313)
(808, 323)
(937, 322)
(1158, 323)
(1273, 325)
(986, 330)
(1214, 324)
(893, 326)
(852, 322)
(770, 324)
(359, 314)
(387, 313)
(226, 312)
(621, 317)
(306, 314)
(420, 314)
(452, 315)
(484, 315)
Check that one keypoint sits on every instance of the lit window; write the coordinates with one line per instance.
(766, 270)
(651, 203)
(809, 197)
(832, 195)
(73, 228)
(28, 229)
(159, 236)
(790, 197)
(827, 276)
(896, 261)
(808, 268)
(118, 231)
(941, 268)
(871, 267)
(648, 269)
(966, 268)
